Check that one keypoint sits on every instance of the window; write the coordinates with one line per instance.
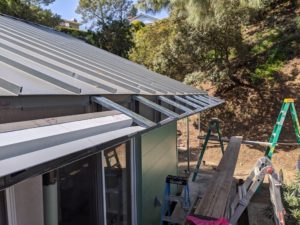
(77, 198)
(116, 163)
(3, 217)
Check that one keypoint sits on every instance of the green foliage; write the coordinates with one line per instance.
(272, 48)
(291, 199)
(175, 47)
(115, 37)
(104, 12)
(275, 60)
(31, 12)
(195, 78)
(170, 47)
(203, 12)
(297, 21)
(109, 20)
(133, 11)
(39, 2)
(267, 70)
(136, 25)
(152, 5)
(87, 36)
(149, 42)
(265, 40)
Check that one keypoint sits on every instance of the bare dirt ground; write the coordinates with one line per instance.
(284, 159)
(250, 114)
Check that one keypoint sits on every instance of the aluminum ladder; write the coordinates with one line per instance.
(246, 191)
(112, 159)
(166, 214)
(288, 105)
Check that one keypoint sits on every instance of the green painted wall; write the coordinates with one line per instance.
(158, 159)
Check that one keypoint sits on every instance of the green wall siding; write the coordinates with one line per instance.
(159, 159)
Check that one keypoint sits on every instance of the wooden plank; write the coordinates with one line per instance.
(215, 199)
(197, 189)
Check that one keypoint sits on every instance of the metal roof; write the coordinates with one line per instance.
(26, 148)
(36, 60)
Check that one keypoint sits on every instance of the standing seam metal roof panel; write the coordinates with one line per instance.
(36, 60)
(77, 47)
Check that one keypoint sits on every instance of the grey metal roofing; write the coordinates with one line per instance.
(36, 60)
(26, 148)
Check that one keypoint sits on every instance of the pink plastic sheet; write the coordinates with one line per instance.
(197, 221)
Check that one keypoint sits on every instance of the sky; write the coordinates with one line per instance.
(66, 9)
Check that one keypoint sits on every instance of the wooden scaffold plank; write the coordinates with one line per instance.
(214, 201)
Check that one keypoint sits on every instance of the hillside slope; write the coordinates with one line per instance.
(274, 43)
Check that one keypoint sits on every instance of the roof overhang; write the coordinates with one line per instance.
(29, 144)
(183, 105)
(27, 148)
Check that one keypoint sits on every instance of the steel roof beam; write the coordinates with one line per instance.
(187, 102)
(198, 102)
(128, 85)
(92, 55)
(216, 99)
(202, 99)
(138, 119)
(11, 87)
(59, 69)
(175, 104)
(156, 107)
(40, 75)
(206, 98)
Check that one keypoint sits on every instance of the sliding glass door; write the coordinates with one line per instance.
(77, 198)
(96, 190)
(116, 169)
(3, 217)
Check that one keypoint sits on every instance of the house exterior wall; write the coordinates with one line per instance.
(158, 159)
(156, 153)
(22, 108)
(144, 19)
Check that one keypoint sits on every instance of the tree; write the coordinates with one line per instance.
(109, 19)
(133, 11)
(104, 12)
(214, 28)
(169, 47)
(196, 7)
(39, 2)
(115, 37)
(176, 47)
(28, 11)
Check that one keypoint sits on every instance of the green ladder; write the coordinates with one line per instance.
(288, 104)
(214, 124)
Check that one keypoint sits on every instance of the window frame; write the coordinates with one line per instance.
(131, 184)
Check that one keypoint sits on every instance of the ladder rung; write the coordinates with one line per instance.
(176, 180)
(174, 198)
(115, 165)
(110, 154)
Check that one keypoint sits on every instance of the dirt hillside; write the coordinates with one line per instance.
(252, 112)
